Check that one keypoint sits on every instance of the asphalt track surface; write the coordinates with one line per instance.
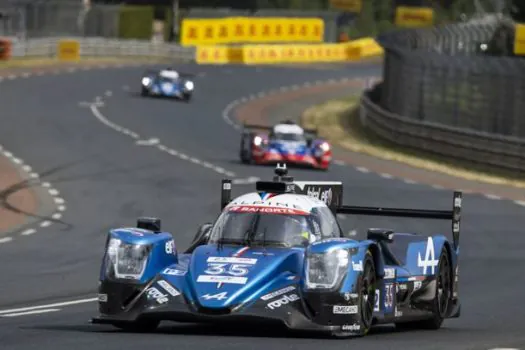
(108, 180)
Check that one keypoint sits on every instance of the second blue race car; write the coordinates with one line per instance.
(167, 83)
(278, 255)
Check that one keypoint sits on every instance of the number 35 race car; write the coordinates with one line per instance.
(278, 254)
(285, 143)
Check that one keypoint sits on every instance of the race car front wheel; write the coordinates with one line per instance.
(442, 298)
(142, 326)
(368, 292)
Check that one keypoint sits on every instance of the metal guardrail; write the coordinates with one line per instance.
(48, 47)
(439, 94)
(460, 144)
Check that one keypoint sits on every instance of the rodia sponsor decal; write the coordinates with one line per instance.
(154, 293)
(282, 301)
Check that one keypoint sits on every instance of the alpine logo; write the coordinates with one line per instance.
(430, 258)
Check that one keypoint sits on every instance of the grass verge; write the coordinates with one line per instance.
(338, 121)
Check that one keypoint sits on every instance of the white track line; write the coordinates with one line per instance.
(47, 306)
(34, 312)
(149, 142)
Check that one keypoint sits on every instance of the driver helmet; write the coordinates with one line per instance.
(298, 228)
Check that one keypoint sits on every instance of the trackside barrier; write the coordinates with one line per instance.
(98, 47)
(68, 50)
(237, 30)
(298, 53)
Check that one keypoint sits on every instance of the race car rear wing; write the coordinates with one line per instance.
(454, 215)
(308, 132)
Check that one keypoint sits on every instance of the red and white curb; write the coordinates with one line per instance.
(33, 179)
(366, 83)
(30, 174)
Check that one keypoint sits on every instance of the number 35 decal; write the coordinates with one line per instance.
(230, 269)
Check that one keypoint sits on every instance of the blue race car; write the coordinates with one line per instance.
(278, 255)
(167, 83)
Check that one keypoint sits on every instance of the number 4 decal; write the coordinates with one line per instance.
(220, 296)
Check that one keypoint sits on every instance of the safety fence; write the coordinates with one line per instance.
(441, 94)
(72, 49)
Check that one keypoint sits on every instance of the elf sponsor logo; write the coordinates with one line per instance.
(325, 196)
(283, 301)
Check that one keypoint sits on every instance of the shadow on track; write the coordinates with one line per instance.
(245, 331)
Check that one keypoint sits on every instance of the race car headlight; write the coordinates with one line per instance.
(257, 140)
(125, 260)
(325, 147)
(146, 81)
(326, 270)
(189, 85)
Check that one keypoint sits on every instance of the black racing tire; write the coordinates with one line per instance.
(142, 326)
(367, 293)
(244, 154)
(442, 298)
(144, 91)
(186, 97)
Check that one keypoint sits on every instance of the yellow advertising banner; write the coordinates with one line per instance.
(347, 5)
(407, 16)
(68, 50)
(272, 54)
(231, 30)
(519, 40)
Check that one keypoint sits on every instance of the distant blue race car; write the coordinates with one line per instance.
(279, 255)
(167, 83)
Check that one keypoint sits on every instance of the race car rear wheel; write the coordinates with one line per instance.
(245, 153)
(142, 326)
(441, 300)
(144, 91)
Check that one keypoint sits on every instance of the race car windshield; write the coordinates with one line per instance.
(289, 137)
(237, 226)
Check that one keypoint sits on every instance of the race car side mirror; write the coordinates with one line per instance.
(151, 224)
(380, 234)
(201, 237)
